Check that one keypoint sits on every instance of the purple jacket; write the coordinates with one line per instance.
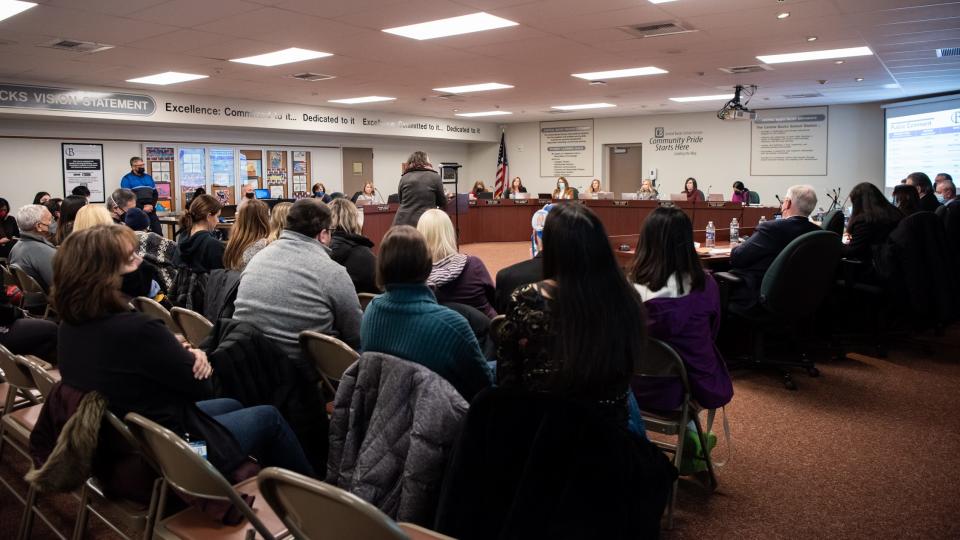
(688, 324)
(473, 287)
(742, 197)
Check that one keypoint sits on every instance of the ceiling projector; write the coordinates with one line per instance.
(736, 108)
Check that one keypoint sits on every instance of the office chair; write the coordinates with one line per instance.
(833, 221)
(753, 197)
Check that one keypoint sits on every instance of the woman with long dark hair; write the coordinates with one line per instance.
(199, 248)
(578, 332)
(740, 193)
(691, 191)
(41, 197)
(9, 231)
(68, 214)
(873, 219)
(906, 199)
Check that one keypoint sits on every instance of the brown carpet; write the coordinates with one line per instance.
(867, 450)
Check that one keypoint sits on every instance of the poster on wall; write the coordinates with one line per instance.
(789, 142)
(221, 166)
(83, 166)
(193, 168)
(566, 148)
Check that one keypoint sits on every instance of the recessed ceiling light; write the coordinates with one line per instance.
(811, 38)
(815, 55)
(859, 79)
(715, 97)
(364, 99)
(9, 8)
(286, 56)
(838, 62)
(465, 24)
(582, 106)
(660, 1)
(483, 113)
(169, 77)
(482, 87)
(617, 73)
(783, 15)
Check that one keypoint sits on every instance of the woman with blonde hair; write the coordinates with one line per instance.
(92, 215)
(278, 219)
(564, 191)
(250, 234)
(455, 277)
(368, 195)
(595, 186)
(647, 192)
(350, 248)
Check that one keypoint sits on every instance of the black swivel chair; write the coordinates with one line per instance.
(792, 290)
(753, 197)
(833, 221)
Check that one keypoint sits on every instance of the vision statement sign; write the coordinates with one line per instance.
(20, 98)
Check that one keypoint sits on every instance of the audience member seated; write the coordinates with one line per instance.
(928, 199)
(68, 213)
(278, 219)
(946, 192)
(524, 272)
(691, 191)
(53, 206)
(578, 332)
(33, 253)
(647, 192)
(751, 259)
(293, 285)
(740, 193)
(154, 248)
(8, 229)
(320, 192)
(350, 248)
(139, 366)
(872, 220)
(516, 186)
(250, 234)
(41, 197)
(407, 322)
(119, 202)
(941, 177)
(906, 199)
(455, 277)
(197, 247)
(683, 309)
(82, 191)
(563, 190)
(22, 335)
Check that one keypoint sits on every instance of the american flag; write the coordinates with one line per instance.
(501, 182)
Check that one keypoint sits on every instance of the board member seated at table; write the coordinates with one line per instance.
(563, 190)
(420, 189)
(595, 186)
(683, 310)
(872, 220)
(647, 192)
(516, 186)
(928, 199)
(751, 259)
(524, 272)
(740, 193)
(690, 190)
(479, 187)
(368, 195)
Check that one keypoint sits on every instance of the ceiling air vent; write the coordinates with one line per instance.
(739, 70)
(312, 77)
(663, 28)
(75, 45)
(950, 51)
(808, 95)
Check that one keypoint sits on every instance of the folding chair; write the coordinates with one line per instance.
(330, 356)
(313, 509)
(365, 299)
(43, 377)
(151, 307)
(192, 475)
(31, 287)
(661, 360)
(195, 326)
(130, 515)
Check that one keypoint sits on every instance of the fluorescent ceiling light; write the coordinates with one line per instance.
(364, 99)
(582, 106)
(169, 77)
(715, 97)
(482, 87)
(617, 73)
(783, 15)
(286, 56)
(660, 1)
(465, 24)
(484, 113)
(815, 55)
(9, 8)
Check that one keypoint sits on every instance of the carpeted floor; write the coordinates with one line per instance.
(867, 450)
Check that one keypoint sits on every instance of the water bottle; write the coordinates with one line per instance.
(734, 232)
(711, 235)
(762, 219)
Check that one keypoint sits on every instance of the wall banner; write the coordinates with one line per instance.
(566, 148)
(83, 166)
(21, 96)
(789, 142)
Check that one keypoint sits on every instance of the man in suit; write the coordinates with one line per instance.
(928, 200)
(751, 259)
(524, 272)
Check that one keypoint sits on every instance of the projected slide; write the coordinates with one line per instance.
(928, 142)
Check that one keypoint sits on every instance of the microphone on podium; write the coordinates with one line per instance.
(778, 199)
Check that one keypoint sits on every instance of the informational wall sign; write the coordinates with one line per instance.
(566, 148)
(789, 142)
(83, 166)
(20, 98)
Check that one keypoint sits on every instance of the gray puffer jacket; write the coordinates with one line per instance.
(394, 423)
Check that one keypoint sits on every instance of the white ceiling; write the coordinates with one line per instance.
(554, 39)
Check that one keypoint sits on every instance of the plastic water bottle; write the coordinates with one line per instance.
(734, 232)
(711, 235)
(762, 219)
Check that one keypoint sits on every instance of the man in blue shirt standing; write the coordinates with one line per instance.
(138, 178)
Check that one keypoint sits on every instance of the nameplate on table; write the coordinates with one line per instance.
(715, 204)
(383, 207)
(492, 202)
(521, 201)
(621, 203)
(666, 204)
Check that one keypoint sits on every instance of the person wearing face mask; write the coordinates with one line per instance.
(142, 184)
(320, 192)
(294, 285)
(248, 191)
(198, 248)
(119, 202)
(34, 253)
(9, 232)
(564, 191)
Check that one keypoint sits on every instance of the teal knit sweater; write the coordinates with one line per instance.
(407, 322)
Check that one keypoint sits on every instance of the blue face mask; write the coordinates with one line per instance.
(940, 198)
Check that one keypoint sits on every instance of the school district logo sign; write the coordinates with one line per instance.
(658, 132)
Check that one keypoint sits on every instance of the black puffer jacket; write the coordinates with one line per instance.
(353, 252)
